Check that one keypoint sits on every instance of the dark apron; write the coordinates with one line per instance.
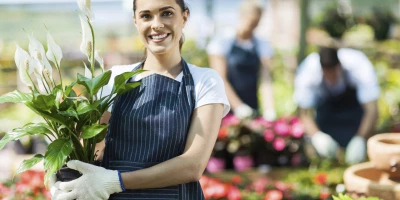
(148, 126)
(243, 71)
(339, 115)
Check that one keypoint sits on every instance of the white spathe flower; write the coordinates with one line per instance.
(54, 52)
(23, 60)
(99, 59)
(87, 41)
(36, 50)
(86, 8)
(88, 73)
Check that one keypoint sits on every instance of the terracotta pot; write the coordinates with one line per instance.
(384, 152)
(364, 179)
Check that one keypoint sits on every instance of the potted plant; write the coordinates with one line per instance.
(71, 120)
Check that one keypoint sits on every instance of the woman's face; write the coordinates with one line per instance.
(249, 20)
(160, 24)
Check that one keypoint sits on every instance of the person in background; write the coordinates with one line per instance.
(243, 61)
(342, 88)
(161, 134)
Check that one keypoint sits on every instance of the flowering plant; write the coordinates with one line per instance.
(28, 185)
(252, 140)
(71, 120)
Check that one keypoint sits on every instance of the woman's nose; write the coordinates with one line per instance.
(157, 23)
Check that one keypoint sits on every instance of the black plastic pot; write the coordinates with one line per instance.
(66, 174)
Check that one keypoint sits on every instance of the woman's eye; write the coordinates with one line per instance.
(167, 13)
(145, 16)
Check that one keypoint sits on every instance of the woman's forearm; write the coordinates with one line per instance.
(179, 170)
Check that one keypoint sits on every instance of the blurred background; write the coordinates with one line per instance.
(294, 28)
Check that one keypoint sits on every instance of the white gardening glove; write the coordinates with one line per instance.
(324, 144)
(95, 183)
(243, 111)
(269, 115)
(356, 150)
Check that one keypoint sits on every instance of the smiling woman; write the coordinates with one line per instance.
(160, 134)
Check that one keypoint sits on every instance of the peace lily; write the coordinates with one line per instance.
(86, 8)
(24, 64)
(71, 120)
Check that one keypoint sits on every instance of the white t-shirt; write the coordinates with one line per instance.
(209, 86)
(222, 46)
(361, 75)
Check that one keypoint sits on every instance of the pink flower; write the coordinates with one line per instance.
(263, 122)
(295, 120)
(279, 144)
(281, 186)
(297, 130)
(242, 163)
(269, 135)
(215, 164)
(281, 128)
(260, 185)
(230, 120)
(234, 193)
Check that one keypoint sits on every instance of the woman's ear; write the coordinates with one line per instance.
(185, 16)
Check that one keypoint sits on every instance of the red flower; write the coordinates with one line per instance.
(281, 186)
(269, 135)
(279, 144)
(321, 178)
(236, 179)
(230, 120)
(260, 185)
(324, 195)
(223, 132)
(234, 193)
(273, 195)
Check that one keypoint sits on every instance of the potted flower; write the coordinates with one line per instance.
(71, 120)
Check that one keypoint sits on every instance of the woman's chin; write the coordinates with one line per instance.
(159, 50)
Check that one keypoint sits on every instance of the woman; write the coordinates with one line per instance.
(161, 134)
(243, 60)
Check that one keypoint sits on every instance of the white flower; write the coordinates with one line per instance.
(23, 60)
(54, 52)
(88, 73)
(99, 59)
(36, 50)
(87, 41)
(86, 8)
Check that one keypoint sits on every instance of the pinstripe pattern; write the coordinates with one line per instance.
(149, 125)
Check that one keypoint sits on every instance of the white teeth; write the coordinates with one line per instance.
(159, 37)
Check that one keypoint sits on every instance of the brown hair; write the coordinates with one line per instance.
(183, 7)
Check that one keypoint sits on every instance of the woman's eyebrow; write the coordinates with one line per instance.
(161, 9)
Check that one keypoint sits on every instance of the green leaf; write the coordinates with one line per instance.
(127, 87)
(27, 164)
(93, 85)
(120, 80)
(57, 91)
(44, 102)
(15, 97)
(69, 92)
(92, 131)
(57, 153)
(70, 112)
(50, 116)
(28, 129)
(85, 107)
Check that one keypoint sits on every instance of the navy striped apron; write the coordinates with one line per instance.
(340, 115)
(149, 125)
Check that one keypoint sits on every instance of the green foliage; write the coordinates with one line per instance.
(345, 197)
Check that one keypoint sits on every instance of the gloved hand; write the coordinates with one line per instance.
(95, 183)
(244, 111)
(324, 144)
(356, 150)
(269, 115)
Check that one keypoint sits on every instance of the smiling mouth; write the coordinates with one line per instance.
(159, 38)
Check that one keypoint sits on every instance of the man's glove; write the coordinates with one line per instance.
(324, 144)
(95, 183)
(244, 111)
(356, 150)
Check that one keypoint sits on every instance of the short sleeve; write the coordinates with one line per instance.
(219, 46)
(265, 49)
(210, 90)
(363, 76)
